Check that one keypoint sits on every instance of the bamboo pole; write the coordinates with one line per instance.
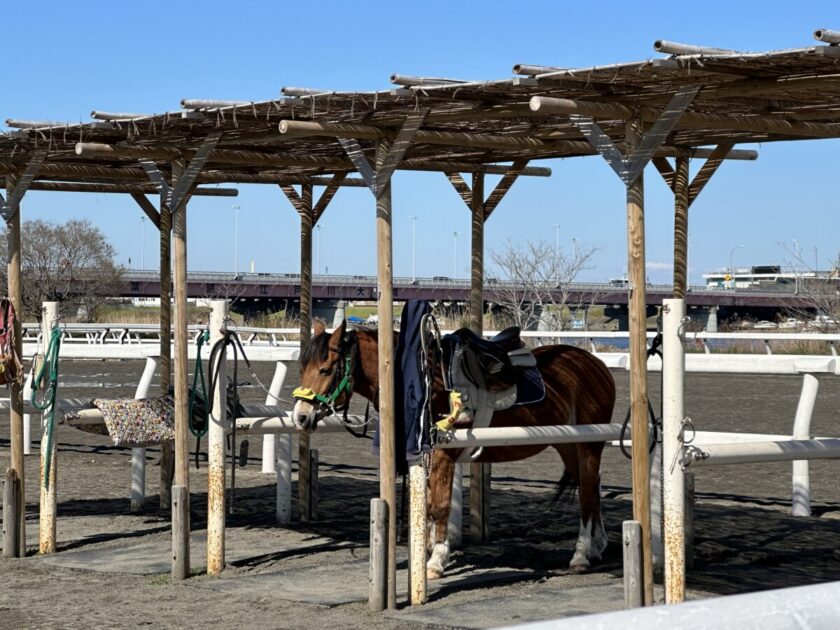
(681, 228)
(15, 391)
(385, 312)
(306, 225)
(638, 360)
(130, 189)
(166, 447)
(181, 564)
(479, 473)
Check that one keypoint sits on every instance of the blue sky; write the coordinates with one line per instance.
(65, 59)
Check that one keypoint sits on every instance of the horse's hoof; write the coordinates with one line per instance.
(433, 574)
(579, 567)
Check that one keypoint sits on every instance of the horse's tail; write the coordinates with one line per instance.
(566, 489)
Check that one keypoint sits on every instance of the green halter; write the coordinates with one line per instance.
(343, 386)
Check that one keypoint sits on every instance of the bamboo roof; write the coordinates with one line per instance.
(743, 98)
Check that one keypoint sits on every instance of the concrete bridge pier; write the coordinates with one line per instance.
(330, 311)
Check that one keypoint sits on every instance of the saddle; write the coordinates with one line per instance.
(487, 375)
(493, 364)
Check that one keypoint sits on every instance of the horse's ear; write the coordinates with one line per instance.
(338, 333)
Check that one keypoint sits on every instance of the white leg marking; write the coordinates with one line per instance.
(583, 547)
(436, 565)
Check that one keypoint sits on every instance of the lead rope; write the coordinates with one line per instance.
(654, 421)
(47, 403)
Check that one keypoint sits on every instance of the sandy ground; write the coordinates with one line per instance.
(745, 539)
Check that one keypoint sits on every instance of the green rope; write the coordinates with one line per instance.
(198, 378)
(47, 403)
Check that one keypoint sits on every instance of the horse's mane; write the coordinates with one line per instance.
(318, 348)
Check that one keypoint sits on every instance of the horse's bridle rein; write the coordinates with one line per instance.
(342, 382)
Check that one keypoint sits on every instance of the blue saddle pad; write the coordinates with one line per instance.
(529, 387)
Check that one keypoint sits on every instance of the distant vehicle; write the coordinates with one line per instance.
(577, 324)
(790, 322)
(821, 321)
(618, 282)
(441, 278)
(372, 320)
(764, 325)
(355, 320)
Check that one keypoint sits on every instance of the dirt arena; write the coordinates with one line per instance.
(745, 538)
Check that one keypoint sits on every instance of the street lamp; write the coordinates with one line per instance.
(454, 254)
(413, 247)
(236, 240)
(142, 242)
(318, 249)
(732, 266)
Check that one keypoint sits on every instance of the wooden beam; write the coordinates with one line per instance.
(681, 202)
(303, 205)
(295, 199)
(402, 142)
(706, 171)
(503, 187)
(327, 196)
(688, 120)
(188, 179)
(147, 207)
(22, 184)
(666, 170)
(121, 188)
(357, 156)
(167, 448)
(461, 187)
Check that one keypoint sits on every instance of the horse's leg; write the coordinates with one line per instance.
(592, 539)
(440, 503)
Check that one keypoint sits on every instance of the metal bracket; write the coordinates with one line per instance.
(630, 167)
(9, 207)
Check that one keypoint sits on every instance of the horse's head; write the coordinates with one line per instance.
(326, 377)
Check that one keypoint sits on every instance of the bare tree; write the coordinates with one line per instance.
(71, 263)
(819, 291)
(536, 282)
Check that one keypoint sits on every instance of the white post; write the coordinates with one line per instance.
(216, 446)
(47, 536)
(27, 418)
(417, 531)
(801, 486)
(273, 398)
(138, 454)
(673, 387)
(454, 528)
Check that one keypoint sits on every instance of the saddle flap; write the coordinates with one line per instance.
(522, 358)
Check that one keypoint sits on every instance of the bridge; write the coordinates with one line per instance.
(272, 291)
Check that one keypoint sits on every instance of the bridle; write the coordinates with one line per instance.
(342, 381)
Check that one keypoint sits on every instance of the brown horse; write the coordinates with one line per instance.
(579, 389)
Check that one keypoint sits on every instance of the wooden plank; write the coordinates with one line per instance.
(707, 170)
(147, 207)
(600, 141)
(187, 179)
(461, 187)
(638, 360)
(294, 198)
(503, 187)
(23, 182)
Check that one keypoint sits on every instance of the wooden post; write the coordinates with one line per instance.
(48, 493)
(314, 489)
(378, 575)
(216, 447)
(479, 473)
(633, 586)
(11, 508)
(166, 447)
(681, 228)
(306, 225)
(385, 312)
(689, 520)
(15, 392)
(638, 361)
(181, 516)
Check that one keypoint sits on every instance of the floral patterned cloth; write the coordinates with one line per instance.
(139, 422)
